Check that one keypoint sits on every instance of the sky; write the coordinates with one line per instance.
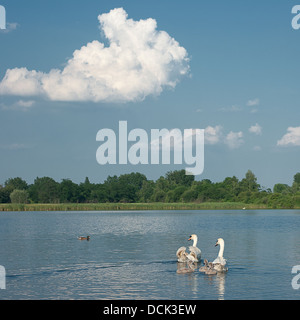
(71, 68)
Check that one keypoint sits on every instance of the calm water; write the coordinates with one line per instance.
(131, 255)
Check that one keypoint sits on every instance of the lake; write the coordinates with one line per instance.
(132, 254)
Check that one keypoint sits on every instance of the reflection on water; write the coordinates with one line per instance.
(220, 284)
(216, 281)
(132, 255)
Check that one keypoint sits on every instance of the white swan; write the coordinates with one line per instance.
(195, 253)
(220, 263)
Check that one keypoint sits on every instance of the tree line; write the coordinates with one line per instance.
(175, 186)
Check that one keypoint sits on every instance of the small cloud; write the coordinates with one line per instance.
(25, 104)
(233, 108)
(253, 103)
(291, 138)
(199, 110)
(21, 105)
(256, 129)
(10, 26)
(212, 135)
(234, 139)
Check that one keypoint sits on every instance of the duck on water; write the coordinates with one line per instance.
(84, 238)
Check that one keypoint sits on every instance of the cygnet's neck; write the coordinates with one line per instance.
(221, 251)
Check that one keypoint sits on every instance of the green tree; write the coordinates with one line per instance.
(178, 177)
(113, 188)
(206, 190)
(178, 191)
(296, 183)
(100, 193)
(231, 188)
(44, 190)
(124, 188)
(249, 183)
(146, 191)
(162, 184)
(10, 185)
(134, 179)
(85, 190)
(68, 191)
(170, 196)
(281, 188)
(160, 190)
(19, 196)
(244, 196)
(16, 183)
(297, 178)
(175, 195)
(158, 196)
(189, 195)
(4, 194)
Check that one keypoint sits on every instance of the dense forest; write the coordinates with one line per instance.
(174, 187)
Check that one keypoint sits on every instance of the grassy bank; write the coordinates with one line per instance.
(128, 206)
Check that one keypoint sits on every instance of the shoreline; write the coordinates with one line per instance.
(5, 207)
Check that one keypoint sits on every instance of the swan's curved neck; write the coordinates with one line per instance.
(221, 251)
(195, 242)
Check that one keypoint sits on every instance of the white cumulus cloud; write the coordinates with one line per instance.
(213, 135)
(256, 129)
(139, 61)
(234, 139)
(291, 138)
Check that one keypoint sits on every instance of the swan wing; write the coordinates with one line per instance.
(181, 254)
(195, 253)
(220, 260)
(220, 267)
(191, 257)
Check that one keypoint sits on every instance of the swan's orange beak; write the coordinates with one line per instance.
(190, 238)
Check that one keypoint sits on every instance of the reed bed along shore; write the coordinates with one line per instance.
(128, 206)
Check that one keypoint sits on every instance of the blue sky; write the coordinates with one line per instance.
(236, 75)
